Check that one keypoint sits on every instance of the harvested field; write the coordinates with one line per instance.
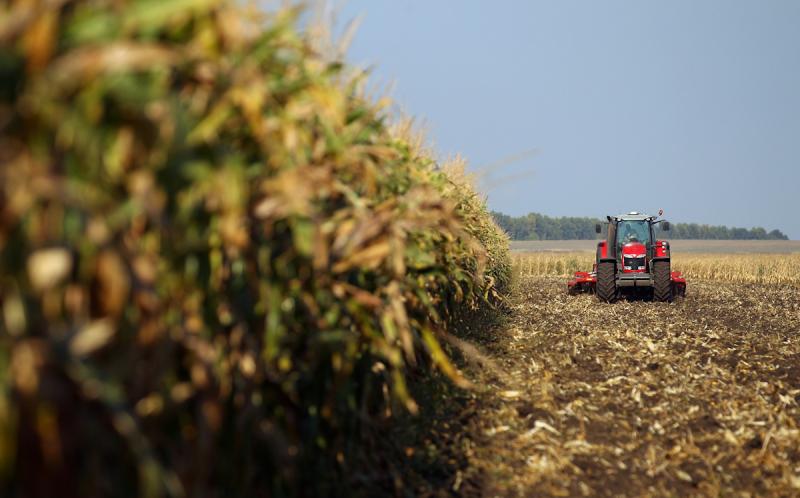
(699, 397)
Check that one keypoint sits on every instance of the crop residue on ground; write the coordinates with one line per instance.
(697, 397)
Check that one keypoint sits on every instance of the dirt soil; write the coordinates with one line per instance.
(575, 397)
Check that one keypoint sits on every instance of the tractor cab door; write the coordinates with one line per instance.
(612, 240)
(651, 247)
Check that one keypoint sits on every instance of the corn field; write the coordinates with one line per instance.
(773, 268)
(219, 267)
(560, 264)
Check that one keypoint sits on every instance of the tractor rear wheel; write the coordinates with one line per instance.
(606, 287)
(662, 282)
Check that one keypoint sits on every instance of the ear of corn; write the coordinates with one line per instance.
(216, 262)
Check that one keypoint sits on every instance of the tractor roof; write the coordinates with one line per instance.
(632, 216)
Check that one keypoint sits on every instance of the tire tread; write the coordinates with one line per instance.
(606, 282)
(662, 283)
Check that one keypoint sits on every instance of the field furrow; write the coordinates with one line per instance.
(697, 397)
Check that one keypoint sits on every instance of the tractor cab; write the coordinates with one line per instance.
(634, 240)
(631, 241)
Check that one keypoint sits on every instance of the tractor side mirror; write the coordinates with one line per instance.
(665, 226)
(598, 228)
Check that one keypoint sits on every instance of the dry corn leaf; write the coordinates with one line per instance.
(92, 337)
(49, 267)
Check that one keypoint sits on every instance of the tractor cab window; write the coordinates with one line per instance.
(633, 231)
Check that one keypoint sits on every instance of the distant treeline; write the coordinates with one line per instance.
(535, 226)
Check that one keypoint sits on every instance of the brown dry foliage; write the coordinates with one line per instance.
(217, 264)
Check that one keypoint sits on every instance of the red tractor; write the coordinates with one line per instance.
(631, 261)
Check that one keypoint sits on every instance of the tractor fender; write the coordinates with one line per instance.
(602, 250)
(661, 249)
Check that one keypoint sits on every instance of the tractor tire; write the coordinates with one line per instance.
(662, 282)
(606, 287)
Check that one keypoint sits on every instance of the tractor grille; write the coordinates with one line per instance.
(633, 264)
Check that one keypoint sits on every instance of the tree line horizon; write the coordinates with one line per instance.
(537, 226)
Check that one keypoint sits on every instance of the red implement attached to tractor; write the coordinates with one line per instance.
(631, 261)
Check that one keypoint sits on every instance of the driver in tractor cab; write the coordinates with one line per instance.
(628, 235)
(632, 232)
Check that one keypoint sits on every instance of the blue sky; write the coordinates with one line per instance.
(689, 106)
